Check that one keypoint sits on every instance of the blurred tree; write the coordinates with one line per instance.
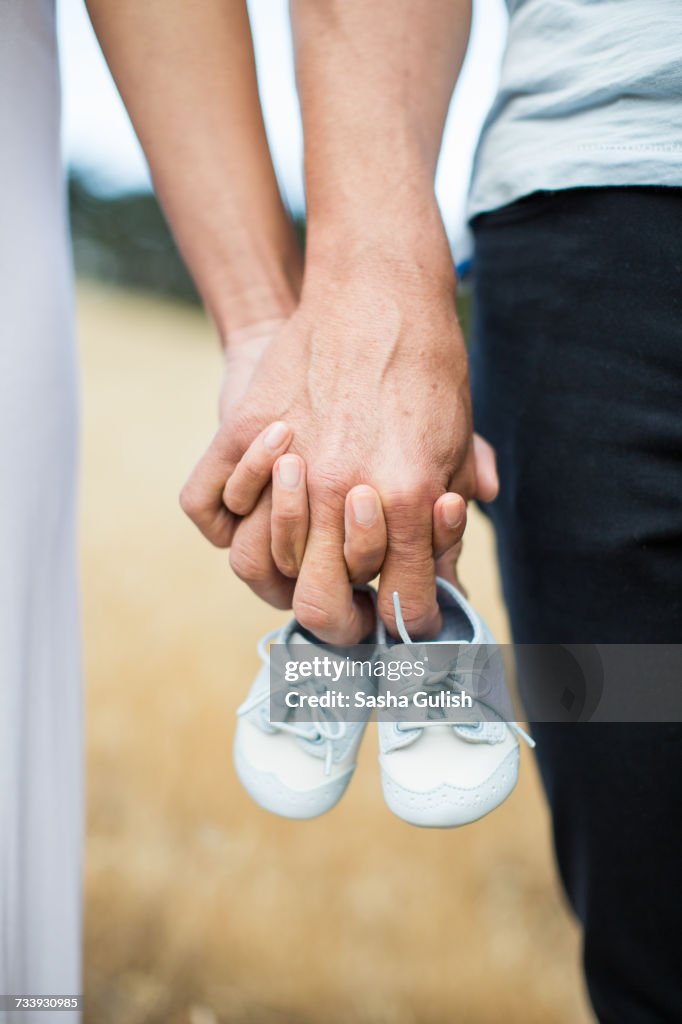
(124, 239)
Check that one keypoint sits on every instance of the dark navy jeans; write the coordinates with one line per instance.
(577, 377)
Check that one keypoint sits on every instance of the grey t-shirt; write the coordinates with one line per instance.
(590, 94)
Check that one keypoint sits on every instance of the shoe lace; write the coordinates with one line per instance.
(448, 676)
(324, 727)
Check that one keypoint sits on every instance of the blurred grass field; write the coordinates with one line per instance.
(200, 907)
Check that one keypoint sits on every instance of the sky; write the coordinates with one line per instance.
(98, 137)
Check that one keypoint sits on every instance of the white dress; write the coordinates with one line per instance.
(40, 687)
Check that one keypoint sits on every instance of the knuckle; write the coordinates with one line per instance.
(312, 615)
(327, 484)
(218, 530)
(251, 472)
(247, 566)
(288, 516)
(189, 501)
(407, 502)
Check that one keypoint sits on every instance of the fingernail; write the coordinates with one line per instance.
(275, 435)
(364, 508)
(289, 469)
(452, 513)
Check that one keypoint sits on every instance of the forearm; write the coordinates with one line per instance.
(375, 81)
(187, 76)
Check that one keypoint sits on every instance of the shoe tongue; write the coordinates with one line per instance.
(460, 625)
(457, 625)
(480, 732)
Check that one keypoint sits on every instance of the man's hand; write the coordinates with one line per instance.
(370, 373)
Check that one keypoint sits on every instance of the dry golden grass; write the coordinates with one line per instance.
(201, 908)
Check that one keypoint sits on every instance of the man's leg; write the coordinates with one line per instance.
(40, 696)
(578, 382)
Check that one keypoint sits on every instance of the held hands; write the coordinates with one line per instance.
(268, 462)
(367, 382)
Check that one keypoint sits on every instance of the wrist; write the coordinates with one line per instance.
(245, 309)
(251, 285)
(386, 248)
